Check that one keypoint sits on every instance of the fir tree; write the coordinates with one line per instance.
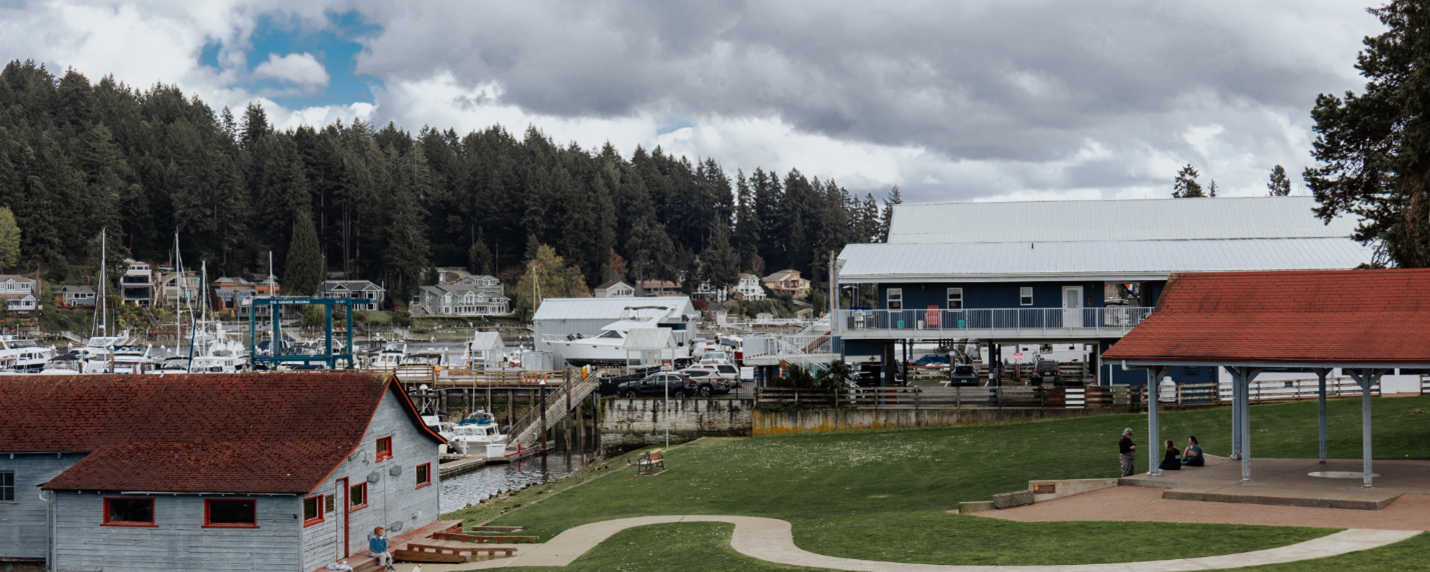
(9, 239)
(1185, 185)
(304, 268)
(1280, 184)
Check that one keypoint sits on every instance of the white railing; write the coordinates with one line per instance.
(1110, 319)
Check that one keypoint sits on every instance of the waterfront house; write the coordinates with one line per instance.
(615, 289)
(1033, 274)
(131, 473)
(749, 288)
(19, 294)
(233, 293)
(658, 288)
(356, 289)
(787, 282)
(75, 296)
(175, 289)
(460, 299)
(136, 285)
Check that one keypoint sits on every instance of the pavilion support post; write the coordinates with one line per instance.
(1235, 413)
(1154, 437)
(1245, 426)
(1321, 393)
(1365, 378)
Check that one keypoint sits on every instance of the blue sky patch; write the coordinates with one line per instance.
(335, 47)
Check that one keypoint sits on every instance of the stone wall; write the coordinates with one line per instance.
(816, 420)
(630, 423)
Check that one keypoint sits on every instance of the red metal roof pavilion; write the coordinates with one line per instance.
(1366, 322)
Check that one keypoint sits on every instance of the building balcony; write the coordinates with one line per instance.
(991, 323)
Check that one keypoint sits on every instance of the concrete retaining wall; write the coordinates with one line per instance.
(815, 420)
(629, 423)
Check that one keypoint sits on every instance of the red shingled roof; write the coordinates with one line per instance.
(1308, 317)
(241, 433)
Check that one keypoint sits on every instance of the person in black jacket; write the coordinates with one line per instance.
(1127, 452)
(1172, 461)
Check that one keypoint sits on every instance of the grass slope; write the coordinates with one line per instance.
(881, 495)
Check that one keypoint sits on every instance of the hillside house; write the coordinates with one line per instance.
(356, 289)
(616, 289)
(660, 288)
(136, 285)
(1036, 273)
(787, 282)
(175, 289)
(749, 288)
(19, 294)
(209, 472)
(75, 296)
(232, 293)
(460, 299)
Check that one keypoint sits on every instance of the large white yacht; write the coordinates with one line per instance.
(609, 346)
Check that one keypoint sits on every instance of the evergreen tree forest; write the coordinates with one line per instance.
(382, 203)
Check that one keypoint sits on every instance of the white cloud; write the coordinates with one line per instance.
(302, 69)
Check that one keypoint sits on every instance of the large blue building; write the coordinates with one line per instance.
(1074, 273)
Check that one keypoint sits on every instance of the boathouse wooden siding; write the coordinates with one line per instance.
(178, 540)
(393, 501)
(23, 524)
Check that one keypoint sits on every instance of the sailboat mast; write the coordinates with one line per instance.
(103, 303)
(179, 303)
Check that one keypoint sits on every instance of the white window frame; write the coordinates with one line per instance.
(955, 299)
(1025, 296)
(894, 296)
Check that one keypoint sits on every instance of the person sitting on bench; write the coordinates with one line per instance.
(1172, 460)
(1194, 457)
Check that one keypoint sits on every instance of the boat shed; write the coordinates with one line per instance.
(1368, 323)
(1082, 273)
(563, 317)
(211, 471)
(485, 351)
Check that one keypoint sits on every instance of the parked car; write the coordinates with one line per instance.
(1047, 372)
(962, 375)
(704, 377)
(662, 384)
(725, 371)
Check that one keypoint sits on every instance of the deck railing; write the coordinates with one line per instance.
(1110, 319)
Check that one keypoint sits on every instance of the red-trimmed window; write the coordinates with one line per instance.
(231, 513)
(357, 497)
(424, 475)
(384, 449)
(128, 512)
(312, 510)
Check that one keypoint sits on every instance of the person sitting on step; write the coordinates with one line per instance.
(1193, 457)
(1172, 460)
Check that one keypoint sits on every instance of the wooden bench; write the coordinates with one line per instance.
(649, 461)
(485, 539)
(448, 554)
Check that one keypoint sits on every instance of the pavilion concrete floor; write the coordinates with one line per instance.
(1286, 482)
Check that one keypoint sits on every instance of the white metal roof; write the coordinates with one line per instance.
(487, 341)
(1146, 219)
(607, 308)
(649, 339)
(1092, 260)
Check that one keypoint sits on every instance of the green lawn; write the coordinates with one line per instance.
(882, 495)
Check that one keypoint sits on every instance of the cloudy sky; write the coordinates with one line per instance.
(948, 100)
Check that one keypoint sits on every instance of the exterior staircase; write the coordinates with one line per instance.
(559, 404)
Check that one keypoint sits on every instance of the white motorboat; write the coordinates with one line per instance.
(132, 359)
(389, 357)
(23, 355)
(479, 433)
(72, 363)
(609, 346)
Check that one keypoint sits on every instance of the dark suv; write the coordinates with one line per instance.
(962, 375)
(662, 384)
(1047, 372)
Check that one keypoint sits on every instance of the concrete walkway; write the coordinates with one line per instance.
(771, 540)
